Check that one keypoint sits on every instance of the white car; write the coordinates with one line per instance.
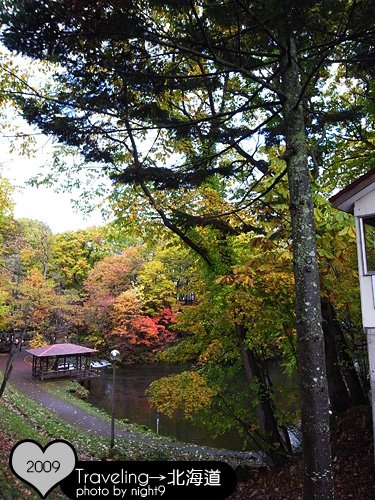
(101, 363)
(66, 367)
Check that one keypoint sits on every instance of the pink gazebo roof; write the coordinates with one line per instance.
(60, 350)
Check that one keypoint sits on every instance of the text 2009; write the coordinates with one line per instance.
(40, 466)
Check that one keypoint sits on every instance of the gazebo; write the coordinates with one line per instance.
(62, 361)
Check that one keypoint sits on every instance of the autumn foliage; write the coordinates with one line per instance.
(131, 329)
(79, 287)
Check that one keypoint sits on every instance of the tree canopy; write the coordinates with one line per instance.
(180, 96)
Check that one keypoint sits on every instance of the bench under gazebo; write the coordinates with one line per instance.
(62, 361)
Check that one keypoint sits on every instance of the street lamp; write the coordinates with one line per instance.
(114, 355)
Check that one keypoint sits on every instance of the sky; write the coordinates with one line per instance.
(42, 203)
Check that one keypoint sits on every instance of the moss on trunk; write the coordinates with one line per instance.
(318, 481)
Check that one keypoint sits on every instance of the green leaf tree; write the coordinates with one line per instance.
(169, 67)
(74, 253)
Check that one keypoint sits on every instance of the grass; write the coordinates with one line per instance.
(49, 426)
(14, 429)
(23, 418)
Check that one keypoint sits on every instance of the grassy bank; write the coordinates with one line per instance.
(15, 428)
(23, 418)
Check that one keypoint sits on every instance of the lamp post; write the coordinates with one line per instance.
(114, 355)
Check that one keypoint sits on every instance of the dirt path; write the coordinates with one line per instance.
(22, 379)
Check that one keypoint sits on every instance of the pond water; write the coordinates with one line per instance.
(132, 403)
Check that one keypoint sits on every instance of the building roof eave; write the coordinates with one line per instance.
(345, 199)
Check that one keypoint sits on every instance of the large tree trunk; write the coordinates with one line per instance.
(339, 396)
(318, 478)
(349, 372)
(277, 449)
(8, 368)
(345, 388)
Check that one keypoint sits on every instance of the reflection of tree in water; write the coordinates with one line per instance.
(108, 391)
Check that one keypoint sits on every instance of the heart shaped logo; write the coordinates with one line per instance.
(42, 467)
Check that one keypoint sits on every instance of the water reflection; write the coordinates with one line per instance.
(132, 403)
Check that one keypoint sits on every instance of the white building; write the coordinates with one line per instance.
(359, 199)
